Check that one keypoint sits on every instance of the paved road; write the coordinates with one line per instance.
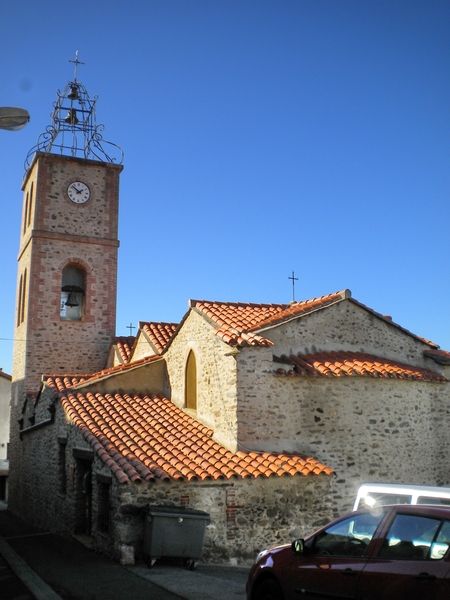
(11, 586)
(63, 568)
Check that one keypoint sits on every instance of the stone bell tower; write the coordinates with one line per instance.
(67, 261)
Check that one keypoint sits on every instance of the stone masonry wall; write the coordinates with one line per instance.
(366, 429)
(41, 499)
(347, 326)
(5, 399)
(246, 515)
(54, 233)
(50, 176)
(143, 347)
(216, 376)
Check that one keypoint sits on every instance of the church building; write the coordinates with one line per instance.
(265, 416)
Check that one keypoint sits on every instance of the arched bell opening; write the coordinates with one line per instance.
(73, 291)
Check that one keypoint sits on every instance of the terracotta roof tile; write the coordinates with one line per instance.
(339, 364)
(440, 356)
(149, 438)
(159, 334)
(236, 322)
(63, 382)
(124, 347)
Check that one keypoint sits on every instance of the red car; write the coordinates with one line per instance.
(393, 553)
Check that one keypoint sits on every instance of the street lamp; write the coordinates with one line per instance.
(13, 118)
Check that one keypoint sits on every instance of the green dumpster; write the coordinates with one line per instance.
(174, 532)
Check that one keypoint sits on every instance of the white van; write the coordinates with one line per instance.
(381, 494)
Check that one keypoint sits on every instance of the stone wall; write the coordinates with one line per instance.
(50, 175)
(366, 429)
(143, 347)
(347, 326)
(56, 232)
(216, 376)
(246, 515)
(46, 497)
(5, 399)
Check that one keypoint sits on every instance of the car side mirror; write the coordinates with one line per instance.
(298, 546)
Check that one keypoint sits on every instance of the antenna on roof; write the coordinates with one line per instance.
(294, 279)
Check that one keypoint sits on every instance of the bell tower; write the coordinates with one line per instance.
(67, 261)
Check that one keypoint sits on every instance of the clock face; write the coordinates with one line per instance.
(78, 192)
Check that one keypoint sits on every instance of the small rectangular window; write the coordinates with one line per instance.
(62, 467)
(104, 506)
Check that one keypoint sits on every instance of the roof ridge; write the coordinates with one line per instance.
(193, 303)
(171, 323)
(339, 362)
(293, 309)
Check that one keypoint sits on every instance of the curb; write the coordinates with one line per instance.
(36, 585)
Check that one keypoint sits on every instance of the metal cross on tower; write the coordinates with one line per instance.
(131, 327)
(76, 62)
(294, 279)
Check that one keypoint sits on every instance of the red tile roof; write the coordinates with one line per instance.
(124, 346)
(159, 334)
(5, 375)
(62, 382)
(236, 321)
(440, 356)
(142, 438)
(340, 364)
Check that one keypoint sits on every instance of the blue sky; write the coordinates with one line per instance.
(260, 137)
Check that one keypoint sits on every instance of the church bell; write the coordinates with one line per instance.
(72, 299)
(73, 94)
(71, 117)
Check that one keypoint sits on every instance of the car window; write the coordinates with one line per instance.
(349, 537)
(440, 546)
(433, 500)
(372, 499)
(410, 537)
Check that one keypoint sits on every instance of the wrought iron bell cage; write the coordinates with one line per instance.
(74, 131)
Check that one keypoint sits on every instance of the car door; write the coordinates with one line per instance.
(332, 561)
(410, 562)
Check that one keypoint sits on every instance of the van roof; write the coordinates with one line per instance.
(405, 488)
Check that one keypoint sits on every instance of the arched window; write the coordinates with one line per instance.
(19, 301)
(73, 286)
(24, 297)
(30, 206)
(25, 213)
(190, 387)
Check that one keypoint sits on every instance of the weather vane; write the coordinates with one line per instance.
(74, 130)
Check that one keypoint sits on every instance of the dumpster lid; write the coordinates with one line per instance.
(177, 511)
